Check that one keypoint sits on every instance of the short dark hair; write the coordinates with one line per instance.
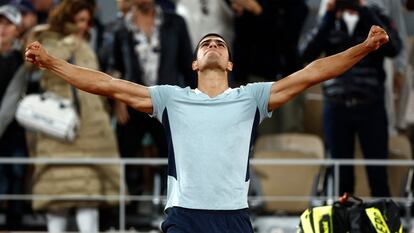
(215, 35)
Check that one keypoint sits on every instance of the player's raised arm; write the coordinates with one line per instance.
(92, 81)
(325, 68)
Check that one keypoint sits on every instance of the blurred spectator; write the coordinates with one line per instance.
(262, 52)
(152, 47)
(95, 30)
(409, 4)
(247, 34)
(395, 84)
(63, 37)
(166, 4)
(105, 54)
(106, 62)
(396, 87)
(207, 16)
(354, 102)
(43, 7)
(29, 16)
(12, 136)
(124, 6)
(4, 2)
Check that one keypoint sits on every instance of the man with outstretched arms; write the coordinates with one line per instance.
(209, 129)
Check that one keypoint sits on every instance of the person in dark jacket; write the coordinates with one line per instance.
(354, 102)
(105, 53)
(12, 135)
(152, 47)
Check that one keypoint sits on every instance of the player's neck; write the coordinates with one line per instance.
(213, 82)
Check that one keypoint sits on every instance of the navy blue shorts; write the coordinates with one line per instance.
(182, 220)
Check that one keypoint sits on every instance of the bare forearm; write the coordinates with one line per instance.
(325, 68)
(99, 83)
(82, 78)
(333, 66)
(92, 81)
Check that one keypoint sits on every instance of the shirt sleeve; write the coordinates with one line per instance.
(261, 92)
(159, 98)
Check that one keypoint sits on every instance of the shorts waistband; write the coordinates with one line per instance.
(211, 212)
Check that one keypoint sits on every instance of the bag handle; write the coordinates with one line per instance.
(344, 199)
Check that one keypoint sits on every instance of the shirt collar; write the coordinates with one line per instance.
(197, 91)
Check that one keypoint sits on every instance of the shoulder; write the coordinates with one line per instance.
(256, 86)
(259, 91)
(162, 95)
(168, 89)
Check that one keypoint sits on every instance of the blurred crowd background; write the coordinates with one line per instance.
(152, 42)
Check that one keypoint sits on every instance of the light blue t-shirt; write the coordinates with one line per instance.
(209, 141)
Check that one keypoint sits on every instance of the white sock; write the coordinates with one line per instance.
(56, 222)
(87, 220)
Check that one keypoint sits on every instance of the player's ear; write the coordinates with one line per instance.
(229, 66)
(194, 66)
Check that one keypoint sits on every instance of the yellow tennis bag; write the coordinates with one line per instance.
(380, 216)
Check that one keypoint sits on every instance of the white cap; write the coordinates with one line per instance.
(12, 14)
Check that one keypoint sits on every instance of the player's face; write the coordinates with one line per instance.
(212, 54)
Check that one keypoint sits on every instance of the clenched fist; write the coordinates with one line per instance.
(36, 54)
(376, 37)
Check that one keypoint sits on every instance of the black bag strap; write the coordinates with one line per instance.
(75, 99)
(125, 39)
(74, 91)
